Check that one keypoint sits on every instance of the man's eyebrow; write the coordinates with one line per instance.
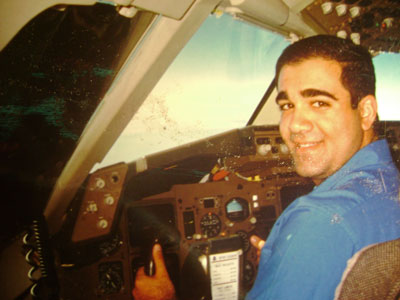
(309, 93)
(281, 96)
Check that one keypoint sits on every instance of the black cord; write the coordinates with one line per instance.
(40, 256)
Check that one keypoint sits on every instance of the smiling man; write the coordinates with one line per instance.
(326, 93)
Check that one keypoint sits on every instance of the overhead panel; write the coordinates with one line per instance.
(373, 24)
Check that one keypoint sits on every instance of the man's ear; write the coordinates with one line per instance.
(368, 109)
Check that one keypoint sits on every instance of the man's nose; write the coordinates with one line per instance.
(300, 121)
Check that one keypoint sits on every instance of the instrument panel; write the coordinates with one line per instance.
(104, 242)
(226, 208)
(373, 24)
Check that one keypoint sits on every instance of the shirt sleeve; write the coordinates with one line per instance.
(304, 259)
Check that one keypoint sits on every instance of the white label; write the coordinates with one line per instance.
(224, 271)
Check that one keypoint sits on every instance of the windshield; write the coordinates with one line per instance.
(214, 85)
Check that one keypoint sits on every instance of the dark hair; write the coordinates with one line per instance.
(358, 75)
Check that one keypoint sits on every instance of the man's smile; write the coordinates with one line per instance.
(305, 146)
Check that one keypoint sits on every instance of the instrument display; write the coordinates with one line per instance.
(237, 209)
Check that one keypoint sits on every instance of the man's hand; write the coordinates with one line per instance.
(258, 243)
(156, 287)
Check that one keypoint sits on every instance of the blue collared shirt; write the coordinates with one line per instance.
(306, 252)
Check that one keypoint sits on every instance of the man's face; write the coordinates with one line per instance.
(318, 124)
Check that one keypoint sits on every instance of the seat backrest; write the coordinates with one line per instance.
(372, 273)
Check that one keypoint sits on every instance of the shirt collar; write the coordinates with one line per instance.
(373, 154)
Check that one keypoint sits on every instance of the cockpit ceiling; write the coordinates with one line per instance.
(373, 24)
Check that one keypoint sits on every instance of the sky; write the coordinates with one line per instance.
(215, 84)
(387, 69)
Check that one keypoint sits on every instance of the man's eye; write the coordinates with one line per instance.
(285, 106)
(319, 104)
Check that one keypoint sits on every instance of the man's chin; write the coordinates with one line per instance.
(317, 175)
(308, 171)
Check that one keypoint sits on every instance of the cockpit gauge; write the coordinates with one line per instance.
(110, 277)
(237, 209)
(210, 225)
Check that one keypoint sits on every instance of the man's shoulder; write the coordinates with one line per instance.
(362, 190)
(369, 178)
(365, 205)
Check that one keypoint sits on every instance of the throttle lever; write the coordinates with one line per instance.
(149, 265)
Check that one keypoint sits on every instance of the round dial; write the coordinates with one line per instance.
(110, 277)
(210, 225)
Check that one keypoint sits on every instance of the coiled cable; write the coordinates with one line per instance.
(31, 258)
(40, 257)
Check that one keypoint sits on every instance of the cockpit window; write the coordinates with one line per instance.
(214, 85)
(387, 69)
